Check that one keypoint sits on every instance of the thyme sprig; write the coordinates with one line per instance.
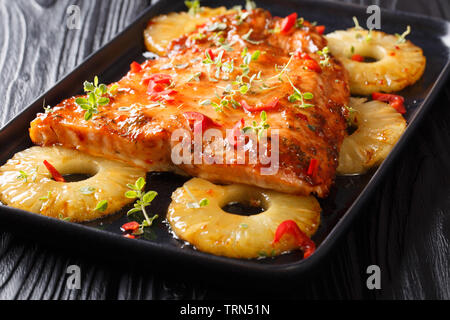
(325, 55)
(301, 97)
(260, 128)
(144, 199)
(195, 204)
(96, 97)
(401, 38)
(194, 7)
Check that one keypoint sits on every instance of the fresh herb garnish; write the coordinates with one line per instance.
(87, 190)
(246, 37)
(194, 7)
(217, 26)
(283, 70)
(300, 23)
(96, 97)
(250, 5)
(325, 54)
(260, 128)
(195, 76)
(23, 175)
(356, 22)
(62, 218)
(47, 197)
(195, 204)
(241, 16)
(101, 206)
(402, 38)
(300, 96)
(143, 201)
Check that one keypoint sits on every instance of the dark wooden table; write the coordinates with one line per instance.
(405, 229)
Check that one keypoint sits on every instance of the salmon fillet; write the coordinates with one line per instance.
(137, 125)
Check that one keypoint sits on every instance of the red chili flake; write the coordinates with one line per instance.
(55, 174)
(313, 65)
(210, 53)
(135, 67)
(130, 227)
(397, 102)
(129, 236)
(303, 55)
(289, 22)
(320, 29)
(236, 132)
(290, 227)
(392, 54)
(154, 87)
(200, 119)
(273, 105)
(210, 192)
(159, 78)
(313, 166)
(358, 57)
(302, 116)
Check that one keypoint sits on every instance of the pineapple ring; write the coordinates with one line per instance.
(163, 29)
(399, 64)
(210, 229)
(35, 191)
(380, 126)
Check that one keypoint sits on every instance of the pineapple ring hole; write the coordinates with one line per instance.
(75, 170)
(243, 209)
(370, 54)
(245, 203)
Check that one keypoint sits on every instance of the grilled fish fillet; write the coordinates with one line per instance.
(135, 127)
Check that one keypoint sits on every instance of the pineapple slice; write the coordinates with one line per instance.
(398, 65)
(379, 128)
(25, 183)
(210, 229)
(161, 30)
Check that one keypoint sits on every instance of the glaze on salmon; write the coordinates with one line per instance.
(137, 125)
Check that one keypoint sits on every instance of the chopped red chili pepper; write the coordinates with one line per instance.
(200, 119)
(289, 22)
(154, 87)
(273, 105)
(160, 78)
(313, 65)
(320, 29)
(396, 101)
(303, 55)
(210, 54)
(135, 67)
(55, 174)
(358, 57)
(290, 227)
(130, 226)
(313, 166)
(236, 132)
(129, 236)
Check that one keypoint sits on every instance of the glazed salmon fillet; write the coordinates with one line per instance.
(226, 74)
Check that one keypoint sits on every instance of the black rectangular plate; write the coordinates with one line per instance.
(112, 61)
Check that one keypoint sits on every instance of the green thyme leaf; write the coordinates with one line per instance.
(102, 206)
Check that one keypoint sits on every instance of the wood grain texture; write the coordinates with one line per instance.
(405, 229)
